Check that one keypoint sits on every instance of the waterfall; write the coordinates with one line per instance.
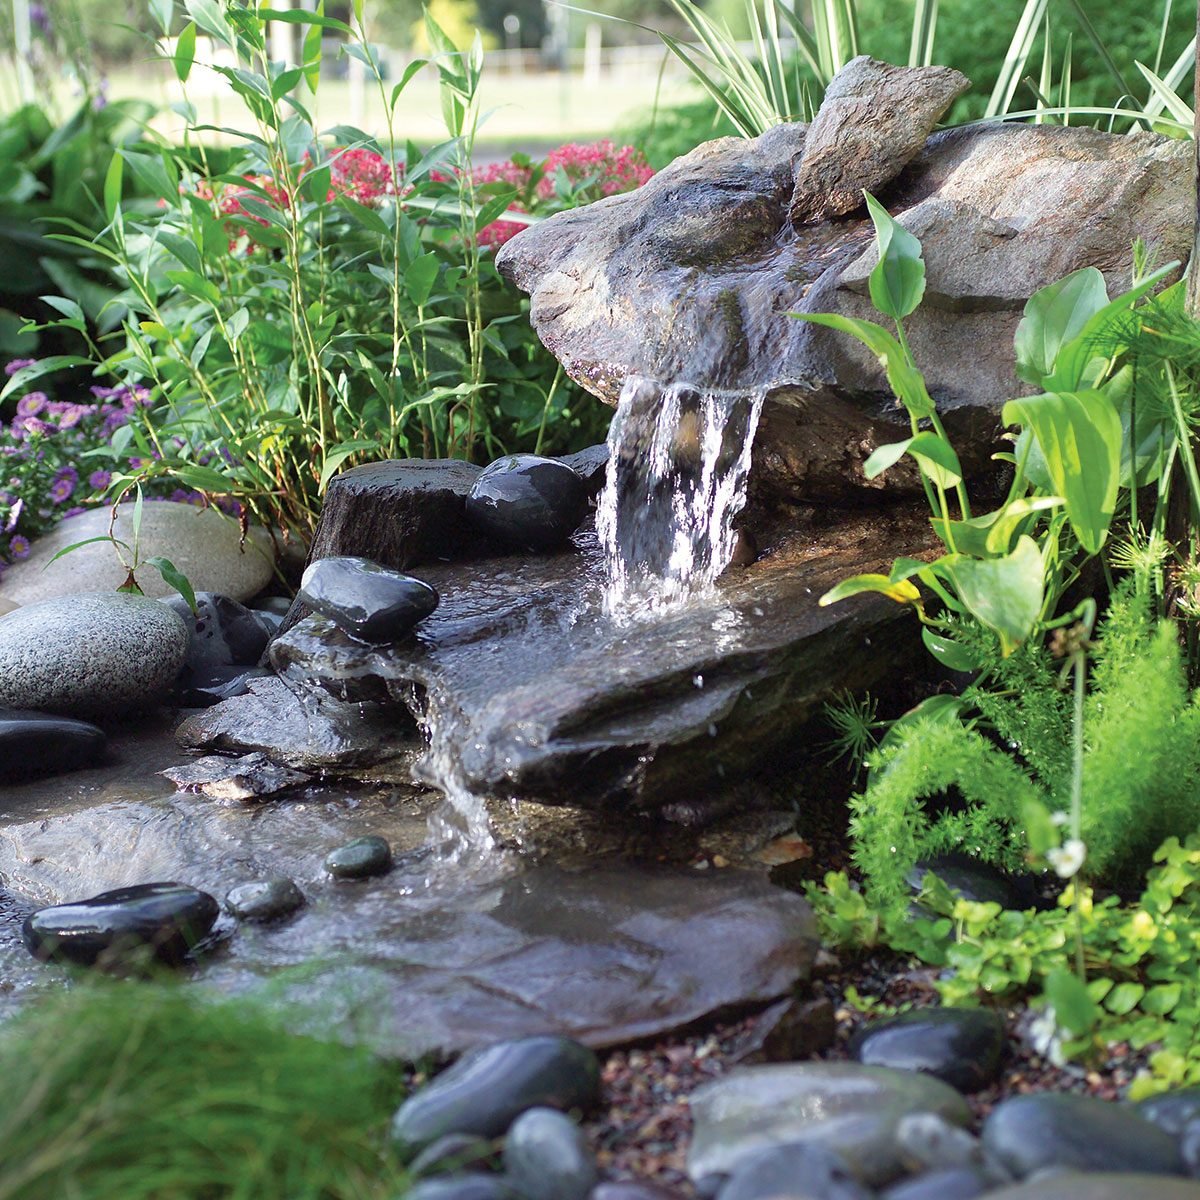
(678, 461)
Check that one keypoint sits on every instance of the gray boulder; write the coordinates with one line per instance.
(202, 543)
(693, 276)
(850, 1109)
(100, 653)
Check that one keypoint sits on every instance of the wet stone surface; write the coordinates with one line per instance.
(369, 601)
(34, 743)
(439, 956)
(546, 1156)
(527, 502)
(161, 920)
(483, 1093)
(360, 859)
(960, 1046)
(264, 899)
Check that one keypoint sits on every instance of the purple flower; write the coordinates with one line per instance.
(19, 547)
(62, 487)
(99, 480)
(39, 18)
(31, 404)
(71, 414)
(19, 364)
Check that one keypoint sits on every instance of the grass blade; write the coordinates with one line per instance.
(920, 48)
(1017, 58)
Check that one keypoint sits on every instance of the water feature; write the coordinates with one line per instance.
(679, 458)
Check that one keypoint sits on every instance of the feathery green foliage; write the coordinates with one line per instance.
(940, 785)
(137, 1091)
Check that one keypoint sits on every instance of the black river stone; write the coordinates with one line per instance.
(264, 899)
(35, 743)
(371, 602)
(165, 920)
(1082, 1133)
(484, 1092)
(360, 859)
(528, 502)
(959, 1045)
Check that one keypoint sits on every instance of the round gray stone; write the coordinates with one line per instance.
(202, 543)
(1101, 1187)
(546, 1157)
(105, 652)
(264, 899)
(851, 1109)
(360, 859)
(1027, 1133)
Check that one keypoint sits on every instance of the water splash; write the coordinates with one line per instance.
(679, 457)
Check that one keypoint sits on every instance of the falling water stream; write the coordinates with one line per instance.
(679, 457)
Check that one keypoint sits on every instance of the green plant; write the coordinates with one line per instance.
(326, 298)
(141, 1091)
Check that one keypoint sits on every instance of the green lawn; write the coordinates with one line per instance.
(534, 110)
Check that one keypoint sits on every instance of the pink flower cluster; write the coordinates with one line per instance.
(600, 165)
(362, 175)
(592, 170)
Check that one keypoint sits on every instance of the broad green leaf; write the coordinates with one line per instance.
(898, 281)
(1055, 316)
(113, 180)
(420, 277)
(1005, 594)
(1079, 435)
(902, 592)
(1124, 998)
(937, 458)
(43, 366)
(885, 456)
(905, 380)
(1074, 1009)
(339, 454)
(185, 52)
(1161, 999)
(163, 12)
(1010, 519)
(951, 654)
(172, 576)
(1101, 339)
(208, 15)
(941, 709)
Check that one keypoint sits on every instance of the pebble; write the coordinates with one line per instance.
(473, 1185)
(846, 1107)
(776, 1172)
(528, 502)
(1101, 1187)
(368, 601)
(35, 743)
(360, 859)
(928, 1143)
(1189, 1147)
(632, 1191)
(1026, 1133)
(950, 1183)
(224, 633)
(484, 1092)
(98, 653)
(264, 899)
(961, 1046)
(546, 1157)
(453, 1152)
(164, 919)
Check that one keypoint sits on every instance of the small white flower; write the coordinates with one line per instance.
(1067, 858)
(1045, 1038)
(1059, 819)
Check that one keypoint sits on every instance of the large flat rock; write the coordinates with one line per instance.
(531, 691)
(432, 959)
(692, 276)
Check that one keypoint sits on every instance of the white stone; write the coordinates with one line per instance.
(203, 544)
(97, 653)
